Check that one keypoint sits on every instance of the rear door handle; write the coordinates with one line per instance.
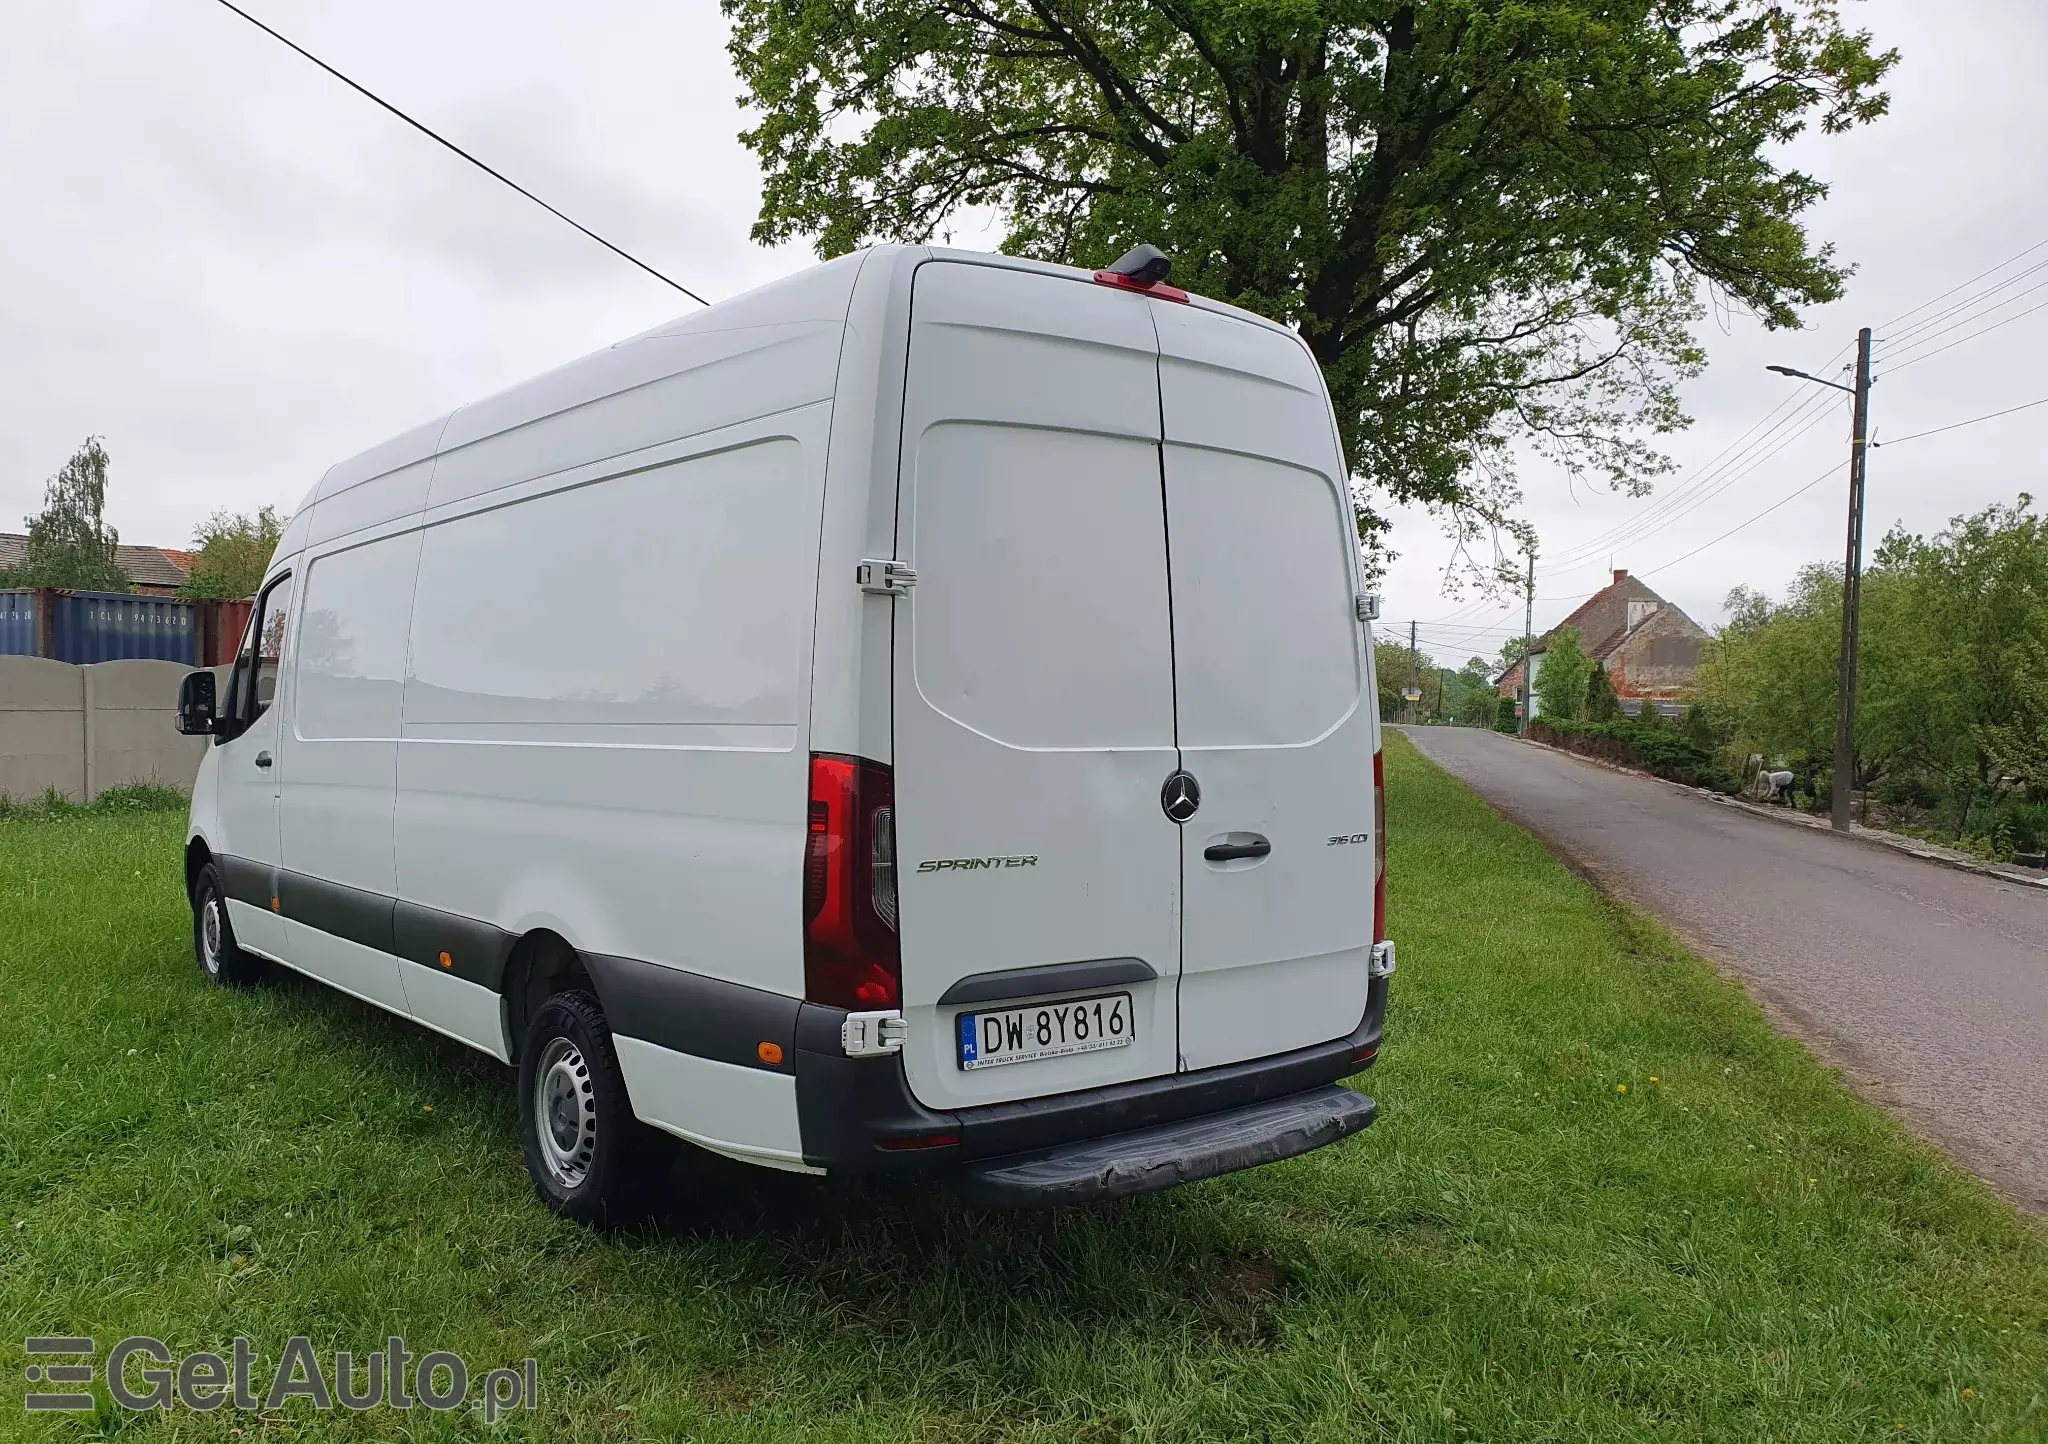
(1231, 851)
(263, 759)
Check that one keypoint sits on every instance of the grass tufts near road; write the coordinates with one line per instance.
(1604, 1201)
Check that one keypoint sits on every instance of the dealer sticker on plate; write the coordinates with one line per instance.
(1045, 1030)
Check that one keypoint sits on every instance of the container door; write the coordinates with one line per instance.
(248, 776)
(1033, 692)
(1277, 863)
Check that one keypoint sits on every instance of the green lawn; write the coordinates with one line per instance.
(1731, 1248)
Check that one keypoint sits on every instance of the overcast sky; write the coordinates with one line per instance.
(239, 272)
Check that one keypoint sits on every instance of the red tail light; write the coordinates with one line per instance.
(851, 958)
(1379, 847)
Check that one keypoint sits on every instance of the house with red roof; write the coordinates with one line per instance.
(1648, 647)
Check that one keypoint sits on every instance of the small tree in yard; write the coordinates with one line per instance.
(1561, 678)
(69, 541)
(1504, 715)
(1601, 704)
(234, 552)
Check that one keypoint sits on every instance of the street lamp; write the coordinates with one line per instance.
(1852, 580)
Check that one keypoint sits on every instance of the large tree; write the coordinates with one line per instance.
(1494, 221)
(69, 541)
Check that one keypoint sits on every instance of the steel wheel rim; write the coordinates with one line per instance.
(565, 1112)
(210, 933)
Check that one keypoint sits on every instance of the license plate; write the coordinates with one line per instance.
(1045, 1030)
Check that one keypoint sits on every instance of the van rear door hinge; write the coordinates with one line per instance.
(871, 1035)
(1368, 607)
(885, 578)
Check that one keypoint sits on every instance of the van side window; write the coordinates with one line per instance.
(705, 583)
(262, 650)
(348, 667)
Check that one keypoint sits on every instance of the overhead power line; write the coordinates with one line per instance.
(1963, 285)
(440, 139)
(1916, 358)
(1739, 526)
(1958, 425)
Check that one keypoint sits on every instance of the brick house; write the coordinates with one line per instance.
(1648, 647)
(152, 571)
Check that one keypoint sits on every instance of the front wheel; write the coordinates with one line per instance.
(589, 1157)
(213, 935)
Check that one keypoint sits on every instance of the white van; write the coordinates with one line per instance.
(916, 716)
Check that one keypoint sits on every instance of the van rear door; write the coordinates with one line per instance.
(1034, 708)
(1277, 864)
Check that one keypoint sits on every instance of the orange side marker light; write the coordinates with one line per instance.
(769, 1052)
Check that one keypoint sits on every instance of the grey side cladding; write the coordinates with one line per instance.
(666, 1006)
(346, 912)
(245, 881)
(476, 952)
(687, 1013)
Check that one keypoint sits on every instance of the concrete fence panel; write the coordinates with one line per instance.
(42, 728)
(131, 709)
(82, 730)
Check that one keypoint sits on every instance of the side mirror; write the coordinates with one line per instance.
(196, 716)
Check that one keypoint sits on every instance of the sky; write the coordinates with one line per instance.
(238, 271)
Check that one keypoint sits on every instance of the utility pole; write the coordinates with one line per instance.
(1852, 595)
(1414, 669)
(1528, 643)
(1852, 579)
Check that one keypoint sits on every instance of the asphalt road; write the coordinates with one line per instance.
(1928, 986)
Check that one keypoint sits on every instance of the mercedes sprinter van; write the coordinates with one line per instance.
(918, 715)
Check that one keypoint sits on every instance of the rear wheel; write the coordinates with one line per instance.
(213, 935)
(589, 1157)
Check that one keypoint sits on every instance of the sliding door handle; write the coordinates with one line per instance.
(263, 759)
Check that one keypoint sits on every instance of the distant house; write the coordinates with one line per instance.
(152, 571)
(1648, 646)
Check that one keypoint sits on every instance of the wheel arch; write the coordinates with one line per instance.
(197, 856)
(541, 964)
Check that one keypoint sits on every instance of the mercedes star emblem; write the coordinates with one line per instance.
(1181, 796)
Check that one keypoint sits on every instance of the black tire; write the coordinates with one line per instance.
(221, 959)
(589, 1157)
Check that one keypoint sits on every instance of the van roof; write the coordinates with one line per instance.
(818, 294)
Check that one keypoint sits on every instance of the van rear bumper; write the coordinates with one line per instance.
(1167, 1154)
(857, 1115)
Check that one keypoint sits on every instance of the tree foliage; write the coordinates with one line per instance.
(1397, 667)
(1952, 691)
(1601, 703)
(1494, 221)
(234, 552)
(1561, 677)
(69, 541)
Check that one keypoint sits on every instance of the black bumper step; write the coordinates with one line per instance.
(1149, 1159)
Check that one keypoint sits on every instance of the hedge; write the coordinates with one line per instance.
(1637, 743)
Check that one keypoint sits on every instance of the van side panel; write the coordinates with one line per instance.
(603, 732)
(338, 760)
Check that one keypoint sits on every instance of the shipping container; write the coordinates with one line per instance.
(221, 625)
(98, 626)
(19, 627)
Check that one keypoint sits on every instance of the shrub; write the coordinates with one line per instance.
(1504, 715)
(1644, 743)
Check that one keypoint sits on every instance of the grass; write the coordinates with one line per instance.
(1733, 1248)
